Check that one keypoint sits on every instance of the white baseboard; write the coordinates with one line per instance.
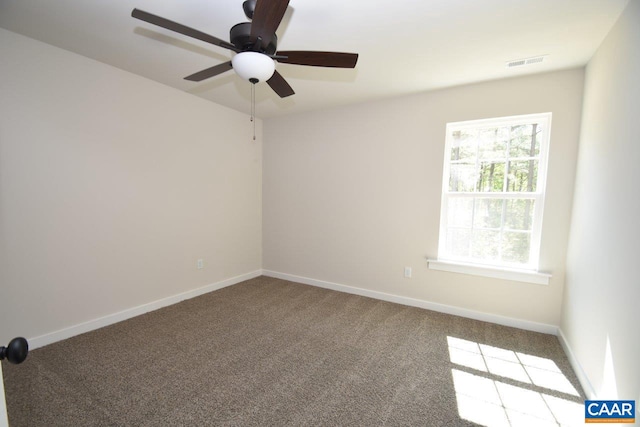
(577, 368)
(413, 302)
(110, 319)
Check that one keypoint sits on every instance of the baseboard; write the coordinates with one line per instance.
(577, 367)
(110, 319)
(413, 302)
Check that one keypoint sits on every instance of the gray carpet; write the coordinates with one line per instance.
(265, 352)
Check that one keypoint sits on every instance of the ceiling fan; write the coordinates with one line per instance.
(255, 44)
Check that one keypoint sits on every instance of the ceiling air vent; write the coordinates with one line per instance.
(526, 61)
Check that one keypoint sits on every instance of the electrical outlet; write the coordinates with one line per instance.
(407, 272)
(200, 264)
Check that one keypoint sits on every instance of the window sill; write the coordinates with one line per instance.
(528, 276)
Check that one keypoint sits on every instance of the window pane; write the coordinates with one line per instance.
(515, 247)
(463, 152)
(459, 212)
(492, 143)
(458, 242)
(525, 140)
(463, 177)
(488, 213)
(491, 176)
(463, 146)
(485, 244)
(519, 214)
(523, 176)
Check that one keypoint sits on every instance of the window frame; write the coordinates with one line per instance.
(450, 262)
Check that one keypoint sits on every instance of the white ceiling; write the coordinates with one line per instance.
(405, 46)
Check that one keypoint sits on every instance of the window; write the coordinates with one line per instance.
(493, 191)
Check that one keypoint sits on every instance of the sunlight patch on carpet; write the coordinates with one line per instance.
(486, 400)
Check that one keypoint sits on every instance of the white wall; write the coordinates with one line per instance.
(600, 308)
(111, 187)
(352, 195)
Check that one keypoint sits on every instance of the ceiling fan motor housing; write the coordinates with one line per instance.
(240, 36)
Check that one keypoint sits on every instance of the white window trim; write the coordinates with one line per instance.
(528, 273)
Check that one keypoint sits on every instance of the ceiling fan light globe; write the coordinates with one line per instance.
(253, 66)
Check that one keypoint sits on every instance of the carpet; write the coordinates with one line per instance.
(268, 352)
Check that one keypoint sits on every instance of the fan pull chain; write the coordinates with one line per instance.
(253, 108)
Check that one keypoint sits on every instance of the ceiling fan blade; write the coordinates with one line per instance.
(280, 85)
(182, 29)
(209, 72)
(319, 59)
(266, 18)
